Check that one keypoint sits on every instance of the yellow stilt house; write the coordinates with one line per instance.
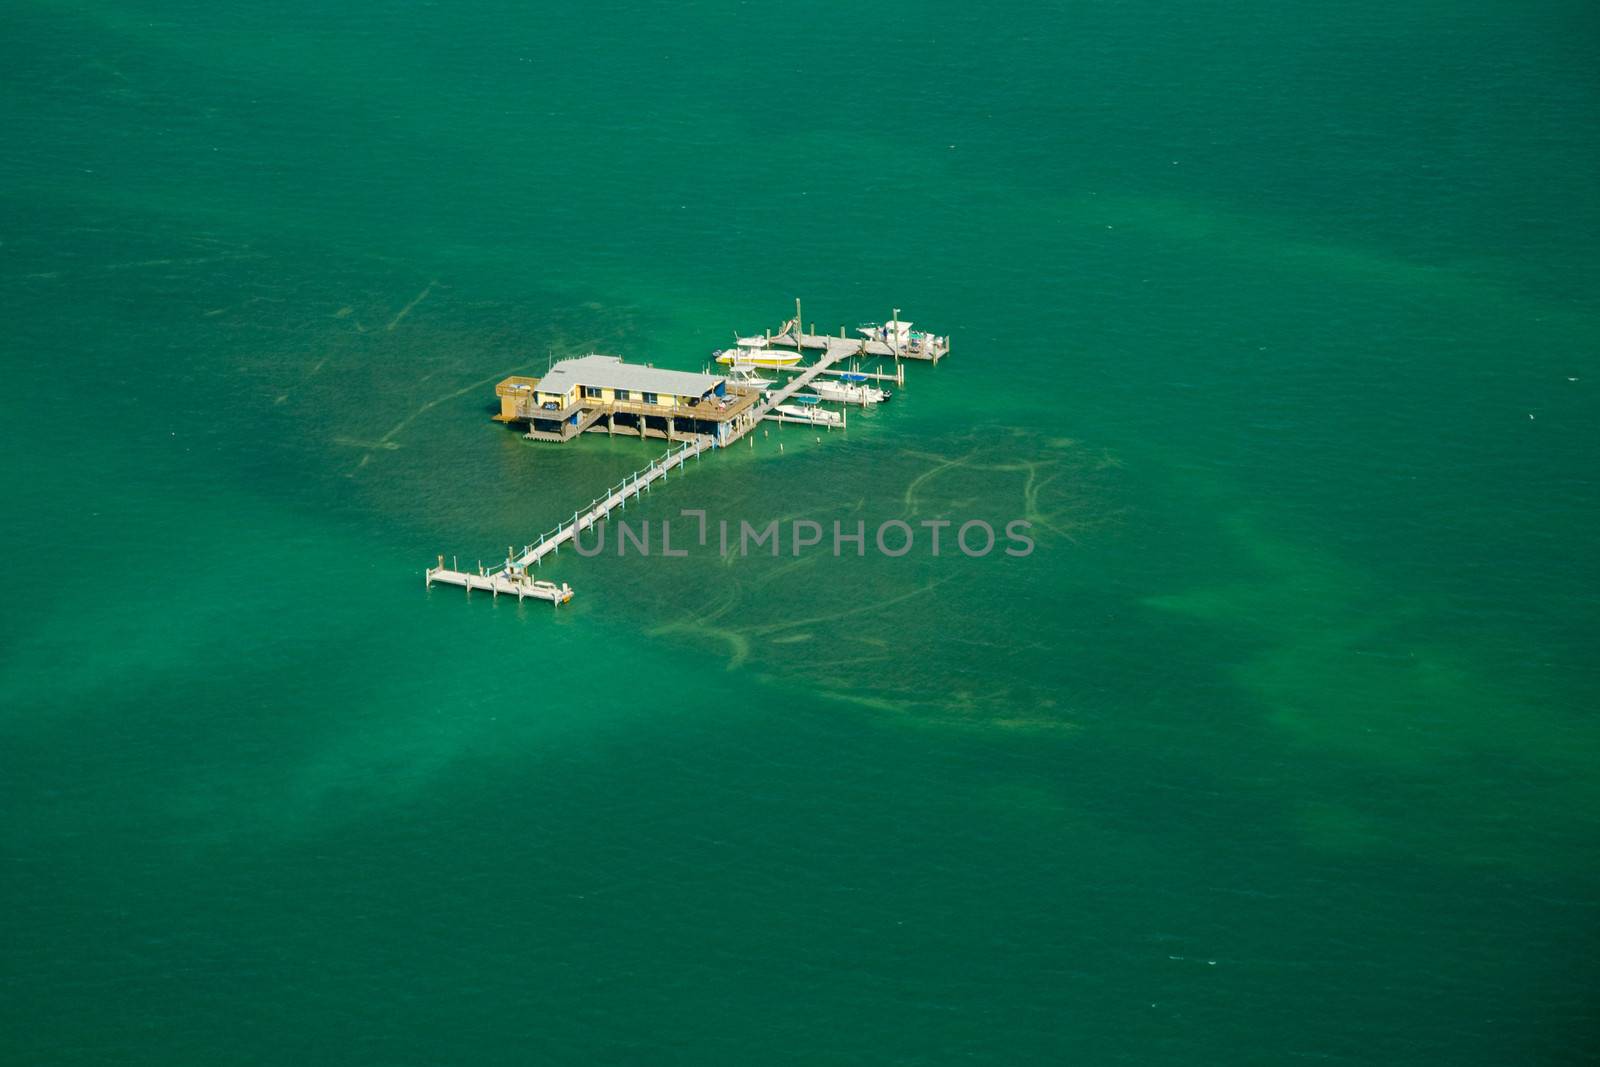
(605, 394)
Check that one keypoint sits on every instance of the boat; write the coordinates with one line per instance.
(752, 351)
(899, 335)
(805, 409)
(551, 591)
(850, 389)
(745, 374)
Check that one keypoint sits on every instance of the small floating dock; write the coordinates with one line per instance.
(515, 583)
(698, 413)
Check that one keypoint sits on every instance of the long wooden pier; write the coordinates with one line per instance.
(512, 577)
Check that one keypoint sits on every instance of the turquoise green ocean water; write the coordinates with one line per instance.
(1279, 321)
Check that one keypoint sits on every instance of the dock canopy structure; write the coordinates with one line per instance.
(609, 395)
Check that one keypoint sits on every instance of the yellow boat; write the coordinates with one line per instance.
(750, 353)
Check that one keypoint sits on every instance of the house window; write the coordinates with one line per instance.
(623, 394)
(590, 392)
(651, 398)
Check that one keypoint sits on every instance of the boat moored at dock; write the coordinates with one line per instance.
(744, 374)
(895, 339)
(753, 352)
(903, 340)
(850, 388)
(805, 409)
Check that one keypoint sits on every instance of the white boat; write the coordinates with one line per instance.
(804, 412)
(849, 389)
(551, 591)
(745, 374)
(899, 335)
(752, 351)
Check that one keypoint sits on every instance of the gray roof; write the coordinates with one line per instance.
(609, 372)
